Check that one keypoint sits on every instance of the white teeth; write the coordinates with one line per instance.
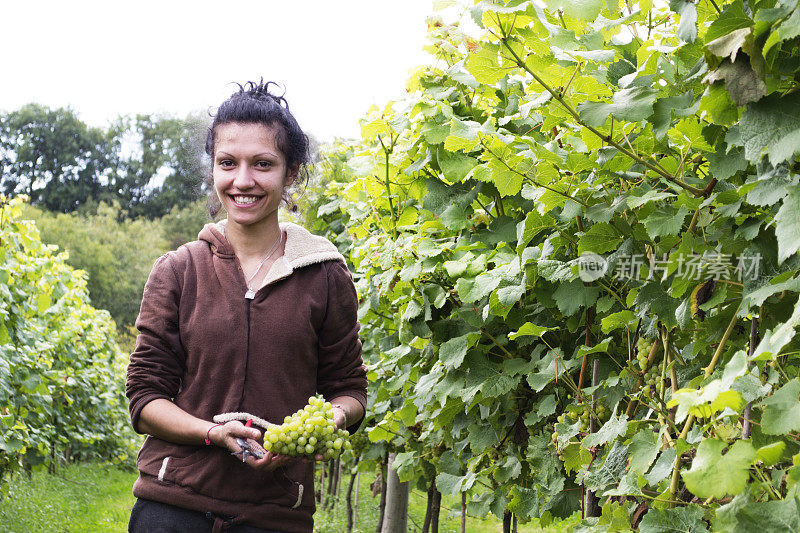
(245, 199)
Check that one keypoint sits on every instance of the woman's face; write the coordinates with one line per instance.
(250, 173)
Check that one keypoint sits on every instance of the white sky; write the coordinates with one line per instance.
(106, 58)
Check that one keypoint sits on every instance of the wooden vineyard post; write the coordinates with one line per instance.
(395, 518)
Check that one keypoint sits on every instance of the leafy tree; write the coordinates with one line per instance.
(117, 256)
(53, 157)
(161, 164)
(183, 224)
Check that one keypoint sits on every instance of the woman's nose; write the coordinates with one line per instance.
(244, 177)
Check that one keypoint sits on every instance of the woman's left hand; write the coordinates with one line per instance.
(339, 417)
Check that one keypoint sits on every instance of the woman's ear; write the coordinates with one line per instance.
(291, 175)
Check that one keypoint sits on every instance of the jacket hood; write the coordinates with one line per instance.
(302, 248)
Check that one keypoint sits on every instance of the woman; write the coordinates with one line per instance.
(243, 324)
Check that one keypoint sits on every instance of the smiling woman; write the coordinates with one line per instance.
(245, 323)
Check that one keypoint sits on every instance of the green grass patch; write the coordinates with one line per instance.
(85, 498)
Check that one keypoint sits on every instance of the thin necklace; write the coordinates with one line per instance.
(250, 294)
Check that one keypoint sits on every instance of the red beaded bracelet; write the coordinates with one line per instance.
(208, 434)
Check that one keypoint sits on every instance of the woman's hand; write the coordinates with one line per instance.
(225, 436)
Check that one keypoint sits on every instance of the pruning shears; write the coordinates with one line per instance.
(246, 450)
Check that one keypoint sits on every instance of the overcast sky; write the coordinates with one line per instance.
(106, 58)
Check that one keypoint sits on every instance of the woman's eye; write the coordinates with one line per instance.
(225, 163)
(263, 164)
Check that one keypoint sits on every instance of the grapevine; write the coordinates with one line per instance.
(649, 137)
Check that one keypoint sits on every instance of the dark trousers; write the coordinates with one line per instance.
(148, 516)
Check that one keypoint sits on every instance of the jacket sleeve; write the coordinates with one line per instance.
(158, 361)
(341, 371)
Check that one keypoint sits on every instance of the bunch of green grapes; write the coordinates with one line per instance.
(652, 375)
(582, 412)
(643, 347)
(308, 432)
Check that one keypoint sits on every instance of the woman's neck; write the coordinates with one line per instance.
(252, 242)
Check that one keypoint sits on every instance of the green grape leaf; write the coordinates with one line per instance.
(573, 295)
(631, 105)
(771, 126)
(782, 410)
(650, 196)
(787, 224)
(741, 515)
(666, 221)
(732, 18)
(507, 181)
(454, 165)
(653, 299)
(463, 135)
(600, 238)
(454, 484)
(578, 9)
(775, 339)
(643, 450)
(789, 28)
(480, 438)
(528, 329)
(771, 453)
(719, 105)
(485, 65)
(526, 502)
(452, 352)
(550, 366)
(616, 320)
(616, 426)
(729, 44)
(716, 475)
(575, 457)
(473, 290)
(533, 224)
(508, 469)
(705, 401)
(662, 467)
(612, 469)
(682, 519)
(665, 108)
(687, 27)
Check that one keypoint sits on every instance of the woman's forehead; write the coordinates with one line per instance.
(235, 132)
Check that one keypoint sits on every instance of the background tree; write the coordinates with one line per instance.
(162, 164)
(53, 157)
(117, 255)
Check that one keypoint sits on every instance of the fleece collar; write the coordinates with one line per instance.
(302, 248)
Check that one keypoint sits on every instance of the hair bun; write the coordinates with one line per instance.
(261, 91)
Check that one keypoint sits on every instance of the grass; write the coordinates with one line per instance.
(94, 498)
(86, 498)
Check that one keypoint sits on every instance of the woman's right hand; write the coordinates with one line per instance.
(225, 436)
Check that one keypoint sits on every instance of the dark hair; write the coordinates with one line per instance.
(253, 103)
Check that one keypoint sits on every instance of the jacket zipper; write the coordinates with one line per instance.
(246, 356)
